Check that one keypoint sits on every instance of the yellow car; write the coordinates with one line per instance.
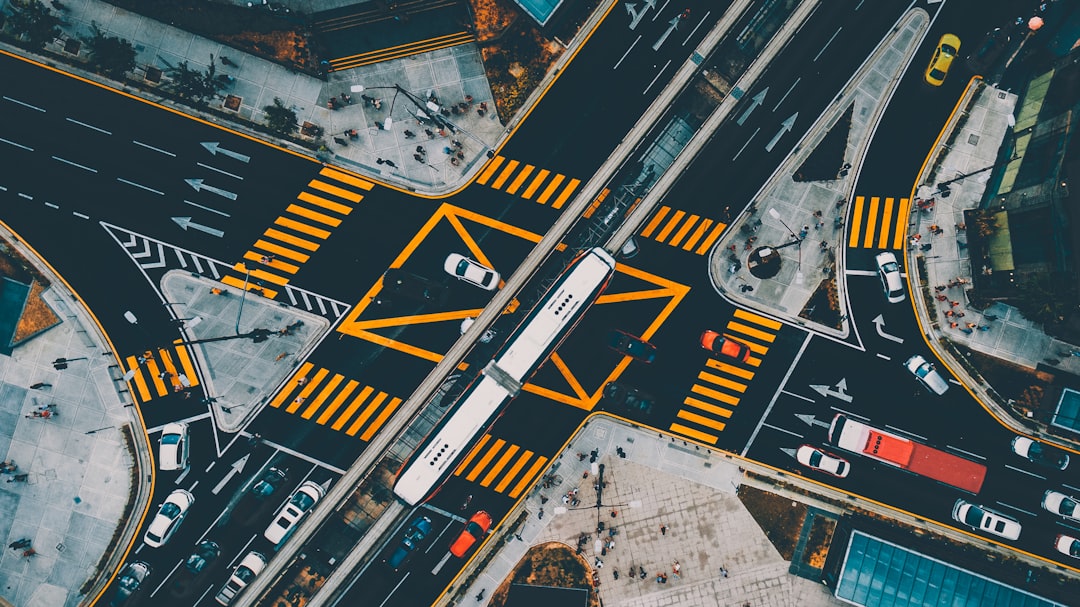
(944, 54)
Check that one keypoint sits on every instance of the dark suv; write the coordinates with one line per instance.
(415, 534)
(628, 398)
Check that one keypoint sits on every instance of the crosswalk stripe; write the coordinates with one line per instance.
(279, 398)
(307, 213)
(336, 403)
(901, 223)
(670, 225)
(302, 228)
(751, 331)
(520, 179)
(363, 184)
(488, 456)
(259, 274)
(525, 480)
(321, 397)
(550, 189)
(335, 190)
(329, 205)
(698, 233)
(353, 406)
(704, 406)
(509, 170)
(856, 222)
(184, 357)
(281, 251)
(512, 473)
(366, 414)
(757, 319)
(140, 381)
(695, 434)
(307, 245)
(713, 363)
(472, 453)
(307, 390)
(871, 223)
(540, 177)
(714, 394)
(649, 227)
(490, 169)
(384, 415)
(240, 283)
(684, 230)
(570, 188)
(708, 243)
(499, 465)
(886, 219)
(708, 422)
(723, 382)
(277, 264)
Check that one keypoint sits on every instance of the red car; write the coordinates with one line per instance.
(718, 344)
(475, 530)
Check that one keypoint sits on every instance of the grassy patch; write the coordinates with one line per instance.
(780, 518)
(824, 305)
(550, 564)
(36, 317)
(819, 541)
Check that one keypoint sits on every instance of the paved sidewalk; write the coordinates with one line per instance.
(660, 483)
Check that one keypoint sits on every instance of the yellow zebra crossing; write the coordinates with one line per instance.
(343, 403)
(501, 466)
(720, 385)
(686, 231)
(524, 180)
(297, 232)
(878, 223)
(161, 372)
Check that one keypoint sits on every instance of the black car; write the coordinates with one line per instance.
(131, 578)
(628, 398)
(269, 483)
(1040, 453)
(205, 553)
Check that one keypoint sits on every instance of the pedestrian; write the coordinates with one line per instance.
(429, 133)
(599, 564)
(960, 314)
(940, 288)
(949, 313)
(418, 158)
(390, 163)
(663, 529)
(301, 381)
(367, 99)
(941, 297)
(723, 572)
(840, 203)
(299, 400)
(409, 134)
(614, 513)
(40, 385)
(953, 283)
(676, 569)
(953, 325)
(953, 304)
(733, 249)
(805, 230)
(379, 161)
(984, 328)
(744, 289)
(641, 572)
(540, 515)
(960, 227)
(817, 213)
(615, 573)
(420, 150)
(967, 330)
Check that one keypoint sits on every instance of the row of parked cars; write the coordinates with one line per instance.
(475, 529)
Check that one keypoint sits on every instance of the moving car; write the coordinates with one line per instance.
(269, 483)
(417, 531)
(300, 503)
(1067, 545)
(718, 344)
(205, 553)
(822, 461)
(984, 519)
(477, 527)
(472, 272)
(468, 321)
(246, 571)
(1061, 505)
(891, 281)
(173, 447)
(629, 398)
(632, 346)
(927, 374)
(131, 578)
(168, 518)
(946, 50)
(1039, 453)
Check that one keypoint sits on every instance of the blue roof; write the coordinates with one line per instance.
(879, 573)
(541, 10)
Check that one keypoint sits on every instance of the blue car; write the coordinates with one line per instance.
(632, 346)
(417, 531)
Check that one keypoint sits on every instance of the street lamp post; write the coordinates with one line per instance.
(764, 261)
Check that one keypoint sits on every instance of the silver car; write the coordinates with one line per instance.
(927, 374)
(891, 281)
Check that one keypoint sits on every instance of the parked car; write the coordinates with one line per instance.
(983, 519)
(718, 344)
(475, 530)
(131, 578)
(944, 53)
(628, 397)
(1040, 453)
(268, 484)
(822, 461)
(417, 531)
(1061, 505)
(927, 374)
(296, 508)
(632, 346)
(173, 447)
(205, 553)
(891, 280)
(252, 564)
(168, 518)
(472, 272)
(1067, 545)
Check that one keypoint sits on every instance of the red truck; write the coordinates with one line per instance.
(906, 454)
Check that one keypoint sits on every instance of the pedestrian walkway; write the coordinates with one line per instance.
(674, 503)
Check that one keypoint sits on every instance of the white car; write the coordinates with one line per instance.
(1067, 545)
(1040, 453)
(300, 503)
(1061, 505)
(173, 447)
(927, 374)
(891, 281)
(816, 459)
(246, 571)
(463, 268)
(983, 519)
(168, 518)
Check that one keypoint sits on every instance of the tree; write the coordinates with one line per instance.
(34, 22)
(1044, 298)
(196, 85)
(110, 55)
(279, 118)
